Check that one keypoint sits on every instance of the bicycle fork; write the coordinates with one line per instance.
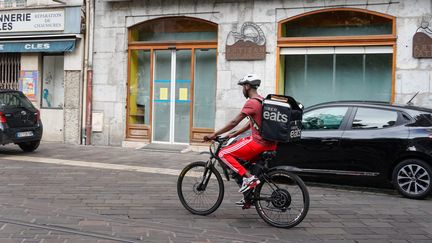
(206, 176)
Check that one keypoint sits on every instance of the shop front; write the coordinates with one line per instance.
(337, 54)
(172, 80)
(167, 73)
(40, 55)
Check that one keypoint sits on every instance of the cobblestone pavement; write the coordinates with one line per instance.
(57, 194)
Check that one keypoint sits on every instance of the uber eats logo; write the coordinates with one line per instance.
(273, 114)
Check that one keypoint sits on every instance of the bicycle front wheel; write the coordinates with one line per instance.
(282, 200)
(200, 189)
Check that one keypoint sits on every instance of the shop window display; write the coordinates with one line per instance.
(53, 82)
(139, 88)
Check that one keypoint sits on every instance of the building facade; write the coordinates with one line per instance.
(41, 54)
(166, 71)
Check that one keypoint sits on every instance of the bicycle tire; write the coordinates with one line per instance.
(285, 176)
(180, 191)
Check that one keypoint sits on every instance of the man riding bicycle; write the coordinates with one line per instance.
(249, 147)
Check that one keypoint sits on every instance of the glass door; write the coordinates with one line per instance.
(171, 96)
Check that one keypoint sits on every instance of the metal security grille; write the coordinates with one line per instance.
(10, 65)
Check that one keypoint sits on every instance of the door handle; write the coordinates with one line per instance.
(330, 140)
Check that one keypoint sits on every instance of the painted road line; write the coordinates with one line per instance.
(97, 165)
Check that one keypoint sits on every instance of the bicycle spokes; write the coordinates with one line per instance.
(282, 201)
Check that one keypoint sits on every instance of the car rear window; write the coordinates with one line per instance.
(14, 100)
(423, 120)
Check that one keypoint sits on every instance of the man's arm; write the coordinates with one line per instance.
(242, 130)
(233, 123)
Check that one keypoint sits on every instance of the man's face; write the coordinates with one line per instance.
(245, 91)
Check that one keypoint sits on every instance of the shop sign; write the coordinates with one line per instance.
(422, 41)
(422, 45)
(28, 84)
(31, 21)
(40, 46)
(248, 44)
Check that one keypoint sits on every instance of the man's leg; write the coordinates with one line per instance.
(239, 150)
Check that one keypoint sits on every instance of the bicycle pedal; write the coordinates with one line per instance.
(246, 206)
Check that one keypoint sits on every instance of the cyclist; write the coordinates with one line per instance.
(249, 147)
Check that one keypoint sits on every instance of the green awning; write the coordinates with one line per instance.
(63, 45)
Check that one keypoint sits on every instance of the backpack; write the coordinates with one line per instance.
(281, 119)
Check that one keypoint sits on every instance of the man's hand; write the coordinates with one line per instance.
(210, 137)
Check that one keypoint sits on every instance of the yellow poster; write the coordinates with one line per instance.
(183, 94)
(163, 94)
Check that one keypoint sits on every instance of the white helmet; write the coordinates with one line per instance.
(251, 79)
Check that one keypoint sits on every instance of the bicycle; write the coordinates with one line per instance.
(201, 189)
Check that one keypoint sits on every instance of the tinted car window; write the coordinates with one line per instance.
(423, 120)
(368, 118)
(14, 99)
(324, 118)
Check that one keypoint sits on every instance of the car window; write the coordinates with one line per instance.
(324, 118)
(369, 118)
(423, 120)
(14, 99)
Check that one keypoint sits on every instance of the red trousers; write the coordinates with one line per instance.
(245, 149)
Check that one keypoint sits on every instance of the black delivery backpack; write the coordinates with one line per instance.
(281, 119)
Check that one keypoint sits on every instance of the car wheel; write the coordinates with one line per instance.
(29, 146)
(413, 178)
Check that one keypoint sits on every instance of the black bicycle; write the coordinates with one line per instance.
(281, 199)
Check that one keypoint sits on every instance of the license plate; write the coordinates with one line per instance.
(24, 134)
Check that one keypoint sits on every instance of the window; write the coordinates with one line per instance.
(174, 29)
(324, 118)
(337, 54)
(205, 88)
(367, 118)
(53, 82)
(12, 3)
(172, 79)
(315, 78)
(337, 23)
(15, 99)
(139, 88)
(10, 65)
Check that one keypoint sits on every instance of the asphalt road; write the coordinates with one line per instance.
(65, 193)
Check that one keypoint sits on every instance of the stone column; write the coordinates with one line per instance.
(72, 97)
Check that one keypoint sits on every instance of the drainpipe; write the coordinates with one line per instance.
(88, 71)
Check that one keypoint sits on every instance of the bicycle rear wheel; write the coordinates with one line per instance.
(283, 200)
(200, 189)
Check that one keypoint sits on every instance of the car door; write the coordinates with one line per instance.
(373, 139)
(319, 147)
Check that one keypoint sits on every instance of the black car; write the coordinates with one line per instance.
(19, 121)
(370, 142)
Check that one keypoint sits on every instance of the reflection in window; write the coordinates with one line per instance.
(205, 88)
(53, 82)
(324, 119)
(139, 88)
(367, 118)
(337, 23)
(14, 99)
(174, 29)
(318, 78)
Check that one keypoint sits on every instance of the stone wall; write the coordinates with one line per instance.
(110, 53)
(72, 91)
